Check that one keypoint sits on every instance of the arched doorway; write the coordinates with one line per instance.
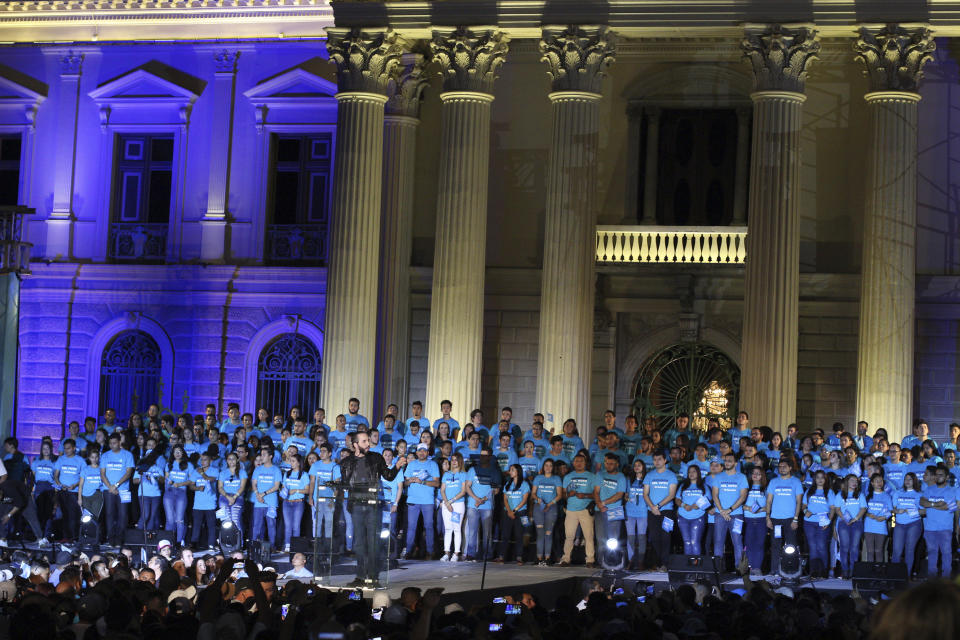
(288, 374)
(693, 377)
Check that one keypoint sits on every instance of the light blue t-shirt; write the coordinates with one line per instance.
(571, 445)
(908, 501)
(231, 483)
(426, 470)
(150, 480)
(937, 519)
(636, 507)
(505, 458)
(480, 489)
(894, 472)
(91, 480)
(176, 474)
(540, 445)
(578, 482)
(392, 488)
(659, 483)
(818, 505)
(784, 492)
(295, 486)
(879, 505)
(530, 465)
(454, 425)
(515, 496)
(755, 506)
(850, 506)
(729, 488)
(204, 499)
(70, 469)
(263, 478)
(323, 472)
(689, 496)
(115, 465)
(302, 444)
(453, 484)
(43, 470)
(547, 488)
(354, 421)
(611, 484)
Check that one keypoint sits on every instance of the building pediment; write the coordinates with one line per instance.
(299, 91)
(20, 95)
(155, 91)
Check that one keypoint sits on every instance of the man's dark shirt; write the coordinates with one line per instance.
(361, 473)
(14, 493)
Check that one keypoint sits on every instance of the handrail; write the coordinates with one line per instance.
(662, 244)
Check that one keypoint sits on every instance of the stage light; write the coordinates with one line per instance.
(612, 544)
(89, 531)
(611, 555)
(229, 537)
(384, 534)
(791, 565)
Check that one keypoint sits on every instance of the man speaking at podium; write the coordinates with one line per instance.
(360, 475)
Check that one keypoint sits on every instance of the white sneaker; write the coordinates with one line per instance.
(3, 542)
(445, 558)
(286, 549)
(43, 542)
(453, 558)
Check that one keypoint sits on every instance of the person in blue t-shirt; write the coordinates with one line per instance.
(422, 477)
(755, 520)
(581, 488)
(416, 409)
(571, 439)
(67, 477)
(231, 485)
(729, 495)
(354, 419)
(817, 515)
(635, 510)
(265, 483)
(906, 534)
(547, 492)
(295, 489)
(323, 498)
(612, 486)
(505, 455)
(149, 477)
(692, 503)
(90, 496)
(784, 497)
(659, 491)
(179, 471)
(556, 452)
(483, 482)
(876, 524)
(529, 461)
(540, 439)
(445, 408)
(940, 502)
(205, 479)
(850, 505)
(453, 492)
(116, 469)
(513, 519)
(44, 488)
(73, 433)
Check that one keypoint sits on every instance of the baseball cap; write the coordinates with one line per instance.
(422, 447)
(162, 544)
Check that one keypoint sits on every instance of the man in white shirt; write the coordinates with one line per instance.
(299, 570)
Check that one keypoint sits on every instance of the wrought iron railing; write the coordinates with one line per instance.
(656, 244)
(134, 241)
(14, 250)
(288, 243)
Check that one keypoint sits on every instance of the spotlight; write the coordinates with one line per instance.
(229, 537)
(384, 534)
(791, 565)
(612, 544)
(89, 531)
(612, 556)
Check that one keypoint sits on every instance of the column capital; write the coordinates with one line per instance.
(893, 56)
(469, 57)
(577, 56)
(364, 59)
(406, 85)
(70, 63)
(780, 55)
(225, 60)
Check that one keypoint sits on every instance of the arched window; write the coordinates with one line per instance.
(129, 373)
(288, 373)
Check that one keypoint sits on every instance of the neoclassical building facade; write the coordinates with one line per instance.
(561, 209)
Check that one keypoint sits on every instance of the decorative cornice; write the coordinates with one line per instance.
(893, 56)
(780, 55)
(225, 60)
(469, 57)
(406, 86)
(577, 56)
(364, 59)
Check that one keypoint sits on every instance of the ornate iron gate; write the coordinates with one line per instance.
(129, 374)
(288, 373)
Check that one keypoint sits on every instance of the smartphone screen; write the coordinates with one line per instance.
(496, 626)
(618, 591)
(284, 610)
(499, 600)
(512, 610)
(641, 598)
(354, 595)
(621, 604)
(377, 613)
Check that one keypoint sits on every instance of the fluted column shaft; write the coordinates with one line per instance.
(566, 306)
(393, 325)
(456, 307)
(887, 286)
(349, 341)
(771, 297)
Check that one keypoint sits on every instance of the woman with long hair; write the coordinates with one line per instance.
(178, 478)
(453, 491)
(692, 503)
(571, 439)
(755, 519)
(294, 489)
(547, 491)
(44, 493)
(199, 573)
(849, 505)
(231, 484)
(90, 495)
(516, 492)
(817, 516)
(876, 525)
(909, 525)
(149, 476)
(635, 512)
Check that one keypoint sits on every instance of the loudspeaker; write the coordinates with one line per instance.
(141, 538)
(683, 569)
(879, 576)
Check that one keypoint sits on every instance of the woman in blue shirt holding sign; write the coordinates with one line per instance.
(692, 503)
(453, 491)
(816, 523)
(547, 493)
(515, 494)
(850, 506)
(231, 483)
(755, 519)
(876, 525)
(906, 505)
(44, 491)
(635, 510)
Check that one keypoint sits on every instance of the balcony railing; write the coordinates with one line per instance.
(656, 244)
(134, 241)
(14, 249)
(288, 243)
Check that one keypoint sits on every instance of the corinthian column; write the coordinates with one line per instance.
(780, 57)
(364, 62)
(894, 58)
(407, 83)
(469, 59)
(576, 58)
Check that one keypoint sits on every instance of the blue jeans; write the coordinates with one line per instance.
(691, 529)
(367, 518)
(208, 518)
(938, 543)
(636, 537)
(544, 522)
(905, 538)
(394, 549)
(720, 529)
(849, 536)
(414, 511)
(348, 521)
(754, 535)
(116, 517)
(234, 512)
(149, 513)
(323, 516)
(175, 509)
(477, 518)
(818, 539)
(292, 514)
(259, 516)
